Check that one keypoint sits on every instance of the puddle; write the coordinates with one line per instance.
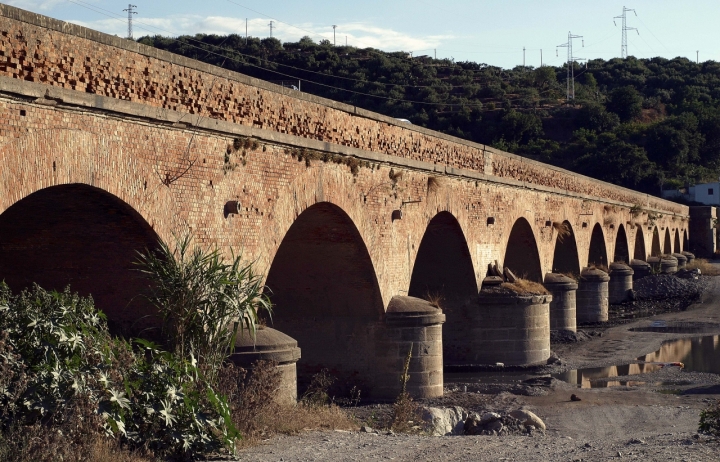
(700, 354)
(678, 327)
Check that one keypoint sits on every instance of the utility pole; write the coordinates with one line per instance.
(271, 27)
(246, 34)
(625, 28)
(523, 58)
(570, 63)
(697, 57)
(435, 53)
(541, 64)
(130, 12)
(334, 26)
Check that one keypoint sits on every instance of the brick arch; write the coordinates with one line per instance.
(639, 253)
(325, 293)
(597, 252)
(656, 248)
(622, 246)
(565, 255)
(54, 157)
(443, 265)
(521, 253)
(667, 244)
(83, 237)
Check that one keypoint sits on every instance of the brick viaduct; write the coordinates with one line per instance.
(106, 145)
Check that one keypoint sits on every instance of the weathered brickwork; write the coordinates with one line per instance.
(139, 130)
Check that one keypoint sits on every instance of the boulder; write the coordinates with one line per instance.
(528, 418)
(444, 421)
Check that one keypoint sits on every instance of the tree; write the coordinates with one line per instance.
(626, 102)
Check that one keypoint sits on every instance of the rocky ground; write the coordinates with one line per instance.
(651, 416)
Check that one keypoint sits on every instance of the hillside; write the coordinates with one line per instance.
(646, 124)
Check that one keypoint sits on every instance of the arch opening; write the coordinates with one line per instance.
(84, 237)
(639, 252)
(326, 295)
(565, 257)
(686, 242)
(622, 251)
(444, 270)
(676, 243)
(656, 249)
(667, 245)
(597, 254)
(521, 254)
(443, 266)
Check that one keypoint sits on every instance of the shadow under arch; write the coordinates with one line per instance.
(521, 254)
(656, 249)
(85, 237)
(622, 250)
(667, 245)
(597, 255)
(443, 265)
(676, 244)
(639, 252)
(566, 259)
(443, 268)
(326, 295)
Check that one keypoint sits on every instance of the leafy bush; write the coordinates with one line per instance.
(710, 420)
(60, 367)
(202, 300)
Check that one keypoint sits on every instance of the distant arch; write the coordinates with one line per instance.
(667, 245)
(326, 295)
(622, 250)
(656, 248)
(597, 254)
(565, 257)
(84, 237)
(676, 244)
(521, 254)
(443, 266)
(443, 273)
(639, 252)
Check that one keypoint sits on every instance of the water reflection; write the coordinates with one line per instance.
(697, 354)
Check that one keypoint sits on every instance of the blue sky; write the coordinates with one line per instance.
(487, 31)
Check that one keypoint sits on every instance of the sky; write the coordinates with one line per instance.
(486, 31)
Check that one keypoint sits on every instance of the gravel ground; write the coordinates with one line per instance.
(654, 417)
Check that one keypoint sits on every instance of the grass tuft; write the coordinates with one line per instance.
(525, 287)
(706, 268)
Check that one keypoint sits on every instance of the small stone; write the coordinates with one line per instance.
(575, 397)
(636, 441)
(489, 417)
(366, 429)
(528, 418)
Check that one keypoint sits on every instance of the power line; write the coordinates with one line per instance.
(570, 63)
(130, 12)
(625, 28)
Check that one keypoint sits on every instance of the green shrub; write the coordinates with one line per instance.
(59, 364)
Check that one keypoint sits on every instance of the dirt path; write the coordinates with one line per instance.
(655, 420)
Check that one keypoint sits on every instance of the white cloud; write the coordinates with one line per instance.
(358, 34)
(34, 5)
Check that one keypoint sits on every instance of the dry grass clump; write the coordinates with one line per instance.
(563, 230)
(706, 268)
(406, 412)
(525, 287)
(433, 184)
(434, 299)
(258, 415)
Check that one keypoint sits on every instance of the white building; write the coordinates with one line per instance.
(706, 193)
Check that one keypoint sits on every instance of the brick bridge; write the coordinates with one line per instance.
(106, 145)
